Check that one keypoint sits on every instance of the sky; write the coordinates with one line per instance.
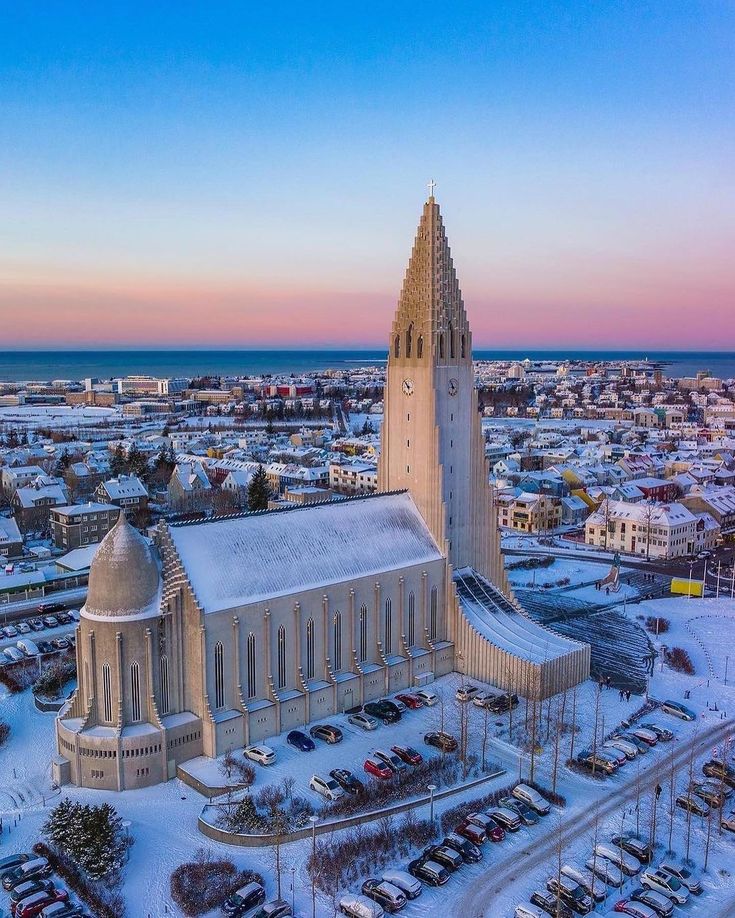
(251, 175)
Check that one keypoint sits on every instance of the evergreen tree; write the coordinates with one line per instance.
(259, 492)
(118, 464)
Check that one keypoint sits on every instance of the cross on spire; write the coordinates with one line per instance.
(431, 186)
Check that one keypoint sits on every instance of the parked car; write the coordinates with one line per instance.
(505, 818)
(10, 631)
(327, 787)
(389, 896)
(377, 769)
(326, 732)
(45, 646)
(474, 833)
(470, 852)
(683, 874)
(551, 904)
(710, 793)
(35, 904)
(665, 884)
(347, 781)
(571, 894)
(36, 868)
(525, 910)
(74, 614)
(502, 703)
(524, 812)
(677, 709)
(626, 862)
(64, 910)
(642, 747)
(28, 888)
(360, 907)
(13, 860)
(610, 751)
(449, 858)
(60, 643)
(592, 885)
(721, 771)
(692, 805)
(428, 871)
(483, 699)
(531, 797)
(662, 905)
(278, 908)
(383, 710)
(647, 736)
(409, 886)
(247, 897)
(300, 741)
(50, 621)
(630, 842)
(728, 822)
(441, 740)
(635, 909)
(408, 754)
(24, 628)
(467, 692)
(605, 871)
(410, 700)
(363, 721)
(36, 624)
(64, 618)
(663, 733)
(13, 655)
(625, 746)
(44, 608)
(261, 754)
(426, 697)
(394, 762)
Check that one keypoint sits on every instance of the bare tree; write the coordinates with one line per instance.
(559, 850)
(690, 781)
(672, 797)
(486, 716)
(648, 512)
(557, 740)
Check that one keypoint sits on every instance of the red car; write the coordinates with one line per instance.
(471, 832)
(408, 754)
(35, 904)
(411, 701)
(496, 834)
(377, 769)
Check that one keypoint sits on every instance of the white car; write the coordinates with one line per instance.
(363, 721)
(327, 787)
(532, 798)
(628, 749)
(683, 875)
(728, 822)
(409, 886)
(626, 862)
(666, 885)
(605, 871)
(428, 698)
(356, 906)
(74, 614)
(592, 885)
(467, 692)
(638, 909)
(261, 754)
(617, 754)
(526, 910)
(10, 631)
(24, 628)
(13, 654)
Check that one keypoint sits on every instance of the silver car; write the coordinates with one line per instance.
(363, 721)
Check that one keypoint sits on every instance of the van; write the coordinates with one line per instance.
(532, 798)
(626, 862)
(28, 647)
(356, 906)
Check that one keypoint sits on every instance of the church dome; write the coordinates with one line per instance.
(124, 577)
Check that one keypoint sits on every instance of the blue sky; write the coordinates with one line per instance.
(246, 160)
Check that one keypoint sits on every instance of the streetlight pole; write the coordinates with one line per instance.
(691, 565)
(719, 566)
(313, 820)
(431, 788)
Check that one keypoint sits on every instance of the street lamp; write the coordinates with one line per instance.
(313, 820)
(431, 788)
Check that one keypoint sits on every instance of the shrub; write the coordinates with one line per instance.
(679, 660)
(657, 625)
(18, 676)
(528, 564)
(202, 885)
(53, 679)
(4, 732)
(102, 901)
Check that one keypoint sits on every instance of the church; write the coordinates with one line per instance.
(224, 632)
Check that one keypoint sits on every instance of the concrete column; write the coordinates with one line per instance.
(236, 680)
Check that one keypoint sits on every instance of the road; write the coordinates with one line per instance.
(475, 900)
(27, 608)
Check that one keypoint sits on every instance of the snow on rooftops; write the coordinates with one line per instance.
(244, 559)
(125, 486)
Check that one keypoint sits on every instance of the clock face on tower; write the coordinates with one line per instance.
(453, 387)
(408, 387)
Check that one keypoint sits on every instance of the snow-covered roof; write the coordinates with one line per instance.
(9, 531)
(124, 486)
(238, 560)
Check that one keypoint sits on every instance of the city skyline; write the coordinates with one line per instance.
(176, 180)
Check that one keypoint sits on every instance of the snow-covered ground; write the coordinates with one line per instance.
(32, 416)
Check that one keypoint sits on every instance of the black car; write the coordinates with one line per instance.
(20, 874)
(30, 887)
(384, 710)
(12, 861)
(661, 904)
(450, 859)
(527, 816)
(247, 897)
(548, 903)
(428, 871)
(571, 895)
(300, 741)
(633, 845)
(64, 618)
(347, 781)
(502, 703)
(45, 608)
(470, 852)
(45, 647)
(442, 741)
(279, 908)
(326, 732)
(663, 733)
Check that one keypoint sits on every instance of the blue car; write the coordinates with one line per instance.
(301, 741)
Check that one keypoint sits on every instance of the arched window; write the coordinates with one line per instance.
(310, 649)
(134, 692)
(164, 699)
(388, 631)
(464, 347)
(106, 694)
(337, 642)
(219, 676)
(363, 632)
(409, 339)
(411, 619)
(252, 671)
(281, 657)
(420, 347)
(433, 612)
(441, 347)
(397, 346)
(451, 341)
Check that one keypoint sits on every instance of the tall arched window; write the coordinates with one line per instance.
(252, 672)
(433, 612)
(441, 347)
(219, 675)
(397, 346)
(310, 649)
(164, 699)
(411, 619)
(409, 340)
(281, 657)
(106, 694)
(363, 632)
(388, 630)
(464, 347)
(420, 347)
(337, 641)
(134, 692)
(451, 341)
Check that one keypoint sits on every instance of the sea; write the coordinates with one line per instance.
(46, 365)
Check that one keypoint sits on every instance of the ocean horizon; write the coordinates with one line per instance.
(46, 365)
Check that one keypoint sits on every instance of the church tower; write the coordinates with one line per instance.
(432, 440)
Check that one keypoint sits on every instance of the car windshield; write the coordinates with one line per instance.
(411, 751)
(331, 784)
(673, 883)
